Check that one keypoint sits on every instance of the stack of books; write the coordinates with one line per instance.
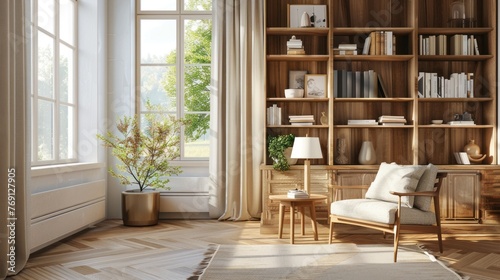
(274, 115)
(294, 46)
(362, 122)
(392, 120)
(301, 120)
(297, 194)
(346, 49)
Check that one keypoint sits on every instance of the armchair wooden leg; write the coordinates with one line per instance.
(330, 235)
(396, 242)
(440, 241)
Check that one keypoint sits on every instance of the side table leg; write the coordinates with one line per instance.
(312, 210)
(292, 224)
(281, 219)
(302, 220)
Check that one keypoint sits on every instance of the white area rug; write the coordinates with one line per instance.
(335, 261)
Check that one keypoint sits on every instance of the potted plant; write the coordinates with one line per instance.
(145, 148)
(280, 149)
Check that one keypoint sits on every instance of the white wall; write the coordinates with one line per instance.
(68, 198)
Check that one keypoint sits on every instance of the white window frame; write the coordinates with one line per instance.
(56, 100)
(180, 15)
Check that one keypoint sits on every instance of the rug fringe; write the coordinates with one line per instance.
(433, 258)
(208, 255)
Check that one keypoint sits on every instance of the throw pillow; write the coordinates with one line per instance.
(398, 178)
(426, 184)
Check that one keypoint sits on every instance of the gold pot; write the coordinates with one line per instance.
(140, 208)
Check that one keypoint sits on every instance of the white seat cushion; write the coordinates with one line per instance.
(398, 178)
(380, 211)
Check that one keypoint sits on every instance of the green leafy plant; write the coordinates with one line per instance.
(276, 149)
(145, 148)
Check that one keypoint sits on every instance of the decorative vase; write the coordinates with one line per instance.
(367, 153)
(472, 148)
(288, 155)
(305, 21)
(341, 147)
(324, 118)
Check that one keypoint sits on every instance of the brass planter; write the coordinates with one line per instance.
(140, 208)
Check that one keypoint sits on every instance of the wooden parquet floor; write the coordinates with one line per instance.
(174, 248)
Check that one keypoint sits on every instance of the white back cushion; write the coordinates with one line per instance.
(426, 184)
(398, 178)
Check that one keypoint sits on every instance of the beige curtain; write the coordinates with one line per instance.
(238, 109)
(14, 218)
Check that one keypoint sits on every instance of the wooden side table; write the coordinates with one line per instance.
(299, 204)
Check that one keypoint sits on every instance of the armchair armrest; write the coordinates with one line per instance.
(414, 193)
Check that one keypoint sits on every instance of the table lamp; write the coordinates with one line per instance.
(306, 148)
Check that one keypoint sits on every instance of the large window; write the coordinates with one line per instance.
(173, 66)
(54, 83)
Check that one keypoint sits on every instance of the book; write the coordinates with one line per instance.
(366, 47)
(457, 158)
(464, 158)
(297, 194)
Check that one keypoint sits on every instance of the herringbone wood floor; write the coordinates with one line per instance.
(173, 249)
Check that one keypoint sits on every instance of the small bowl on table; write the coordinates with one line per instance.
(437, 121)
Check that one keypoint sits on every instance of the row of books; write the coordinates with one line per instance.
(383, 120)
(392, 120)
(380, 43)
(274, 115)
(301, 119)
(459, 85)
(358, 84)
(460, 44)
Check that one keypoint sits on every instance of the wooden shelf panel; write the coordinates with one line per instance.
(367, 30)
(455, 57)
(298, 126)
(340, 99)
(379, 58)
(286, 31)
(305, 99)
(286, 57)
(449, 126)
(453, 31)
(375, 126)
(479, 99)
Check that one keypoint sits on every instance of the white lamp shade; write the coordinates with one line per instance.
(306, 148)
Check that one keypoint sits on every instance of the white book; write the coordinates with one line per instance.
(388, 42)
(457, 157)
(464, 158)
(476, 47)
(366, 47)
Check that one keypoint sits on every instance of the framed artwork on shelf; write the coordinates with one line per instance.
(315, 85)
(296, 79)
(317, 15)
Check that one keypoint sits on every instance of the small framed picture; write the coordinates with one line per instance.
(296, 79)
(315, 85)
(317, 15)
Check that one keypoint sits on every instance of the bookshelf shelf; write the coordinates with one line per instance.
(455, 57)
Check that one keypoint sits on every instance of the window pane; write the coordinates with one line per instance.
(66, 75)
(46, 19)
(198, 5)
(158, 41)
(158, 5)
(158, 85)
(45, 130)
(66, 21)
(199, 148)
(45, 65)
(66, 138)
(197, 41)
(196, 93)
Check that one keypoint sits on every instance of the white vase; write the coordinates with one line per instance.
(305, 20)
(288, 155)
(367, 153)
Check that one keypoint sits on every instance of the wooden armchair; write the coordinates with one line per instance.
(398, 199)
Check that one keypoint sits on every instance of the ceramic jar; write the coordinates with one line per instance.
(367, 153)
(472, 148)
